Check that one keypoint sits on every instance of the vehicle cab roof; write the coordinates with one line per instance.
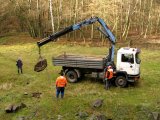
(129, 50)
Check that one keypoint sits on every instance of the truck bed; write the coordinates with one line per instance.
(79, 61)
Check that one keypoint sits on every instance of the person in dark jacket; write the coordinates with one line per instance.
(19, 65)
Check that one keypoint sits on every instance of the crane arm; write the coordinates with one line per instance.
(106, 31)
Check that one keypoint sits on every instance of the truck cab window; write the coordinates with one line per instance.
(127, 58)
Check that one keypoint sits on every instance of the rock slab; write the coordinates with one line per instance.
(13, 108)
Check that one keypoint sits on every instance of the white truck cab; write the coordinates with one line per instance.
(128, 62)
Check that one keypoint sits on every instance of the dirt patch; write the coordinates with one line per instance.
(155, 41)
(6, 86)
(36, 94)
(152, 39)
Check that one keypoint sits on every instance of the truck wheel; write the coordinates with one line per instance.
(71, 76)
(121, 82)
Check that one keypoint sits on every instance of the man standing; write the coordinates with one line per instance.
(19, 65)
(108, 76)
(61, 83)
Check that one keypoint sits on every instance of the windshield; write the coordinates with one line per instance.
(138, 61)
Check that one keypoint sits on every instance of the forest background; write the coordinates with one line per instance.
(40, 18)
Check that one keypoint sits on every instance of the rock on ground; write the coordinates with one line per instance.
(13, 108)
(97, 103)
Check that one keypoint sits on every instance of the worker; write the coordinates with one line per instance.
(61, 83)
(19, 65)
(108, 77)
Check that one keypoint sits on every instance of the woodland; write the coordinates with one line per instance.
(40, 18)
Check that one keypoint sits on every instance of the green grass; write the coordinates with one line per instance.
(132, 103)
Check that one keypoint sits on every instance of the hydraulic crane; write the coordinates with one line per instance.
(106, 31)
(128, 62)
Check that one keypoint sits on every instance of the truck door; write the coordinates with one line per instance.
(127, 63)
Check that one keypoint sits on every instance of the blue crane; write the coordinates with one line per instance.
(105, 31)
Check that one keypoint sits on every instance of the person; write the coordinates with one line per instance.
(61, 83)
(19, 65)
(108, 77)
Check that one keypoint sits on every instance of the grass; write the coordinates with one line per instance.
(132, 103)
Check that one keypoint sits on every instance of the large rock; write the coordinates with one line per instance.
(13, 108)
(97, 103)
(8, 109)
(41, 65)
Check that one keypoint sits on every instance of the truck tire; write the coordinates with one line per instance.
(121, 82)
(71, 76)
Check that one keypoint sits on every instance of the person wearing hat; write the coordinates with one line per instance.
(61, 83)
(108, 77)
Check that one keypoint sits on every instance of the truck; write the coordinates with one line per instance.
(126, 70)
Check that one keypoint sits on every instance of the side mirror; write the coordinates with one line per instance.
(138, 61)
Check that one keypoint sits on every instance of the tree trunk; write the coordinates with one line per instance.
(149, 19)
(127, 25)
(51, 14)
(75, 17)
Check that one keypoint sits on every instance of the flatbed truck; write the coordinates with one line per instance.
(127, 68)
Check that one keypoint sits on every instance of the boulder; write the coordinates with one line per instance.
(8, 109)
(13, 108)
(41, 65)
(97, 103)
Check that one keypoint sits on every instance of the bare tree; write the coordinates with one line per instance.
(39, 16)
(149, 19)
(51, 14)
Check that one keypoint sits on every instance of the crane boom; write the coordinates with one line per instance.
(106, 31)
